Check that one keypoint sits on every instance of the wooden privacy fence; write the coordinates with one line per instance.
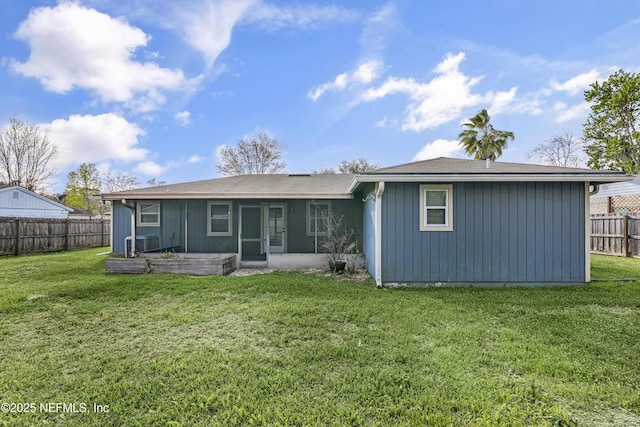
(37, 235)
(616, 234)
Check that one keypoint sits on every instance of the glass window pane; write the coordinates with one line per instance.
(436, 216)
(149, 208)
(219, 225)
(148, 218)
(219, 210)
(436, 198)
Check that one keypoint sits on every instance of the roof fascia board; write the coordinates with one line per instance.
(226, 196)
(492, 178)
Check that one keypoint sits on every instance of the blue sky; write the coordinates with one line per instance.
(154, 88)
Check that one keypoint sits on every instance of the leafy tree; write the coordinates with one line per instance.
(561, 150)
(481, 140)
(25, 154)
(258, 155)
(82, 184)
(323, 171)
(354, 167)
(612, 131)
(113, 182)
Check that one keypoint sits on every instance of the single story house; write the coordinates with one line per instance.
(18, 202)
(434, 222)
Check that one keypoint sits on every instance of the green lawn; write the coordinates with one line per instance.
(299, 349)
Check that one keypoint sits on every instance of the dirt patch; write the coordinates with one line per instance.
(356, 276)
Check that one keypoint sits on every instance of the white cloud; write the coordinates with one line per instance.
(150, 168)
(195, 159)
(576, 84)
(377, 29)
(501, 100)
(95, 139)
(438, 148)
(435, 102)
(529, 103)
(74, 46)
(367, 72)
(206, 26)
(580, 110)
(183, 117)
(384, 122)
(364, 74)
(275, 17)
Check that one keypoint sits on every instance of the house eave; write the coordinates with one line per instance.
(494, 177)
(226, 196)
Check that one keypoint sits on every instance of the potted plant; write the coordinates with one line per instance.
(337, 242)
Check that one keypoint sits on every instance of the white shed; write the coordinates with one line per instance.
(617, 198)
(19, 202)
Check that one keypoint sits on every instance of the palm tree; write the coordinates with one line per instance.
(481, 140)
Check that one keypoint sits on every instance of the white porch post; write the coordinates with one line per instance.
(378, 233)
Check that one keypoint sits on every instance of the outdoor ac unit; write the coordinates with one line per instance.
(143, 244)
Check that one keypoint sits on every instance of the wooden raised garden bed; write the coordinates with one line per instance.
(193, 264)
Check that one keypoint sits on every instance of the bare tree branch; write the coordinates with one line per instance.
(119, 182)
(561, 150)
(25, 154)
(259, 155)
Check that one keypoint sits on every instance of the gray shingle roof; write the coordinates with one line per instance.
(444, 165)
(271, 186)
(341, 186)
(445, 169)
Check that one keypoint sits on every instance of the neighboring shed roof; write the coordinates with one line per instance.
(619, 189)
(269, 186)
(446, 169)
(16, 201)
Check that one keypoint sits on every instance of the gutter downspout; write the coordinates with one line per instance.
(378, 234)
(186, 226)
(587, 228)
(133, 227)
(587, 233)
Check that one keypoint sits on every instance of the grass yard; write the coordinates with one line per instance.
(299, 349)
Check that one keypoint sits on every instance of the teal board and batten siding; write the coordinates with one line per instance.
(197, 223)
(299, 241)
(503, 232)
(171, 231)
(121, 226)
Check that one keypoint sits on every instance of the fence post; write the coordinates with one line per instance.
(18, 236)
(625, 236)
(66, 234)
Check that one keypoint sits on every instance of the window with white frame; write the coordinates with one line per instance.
(148, 214)
(220, 218)
(317, 216)
(436, 207)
